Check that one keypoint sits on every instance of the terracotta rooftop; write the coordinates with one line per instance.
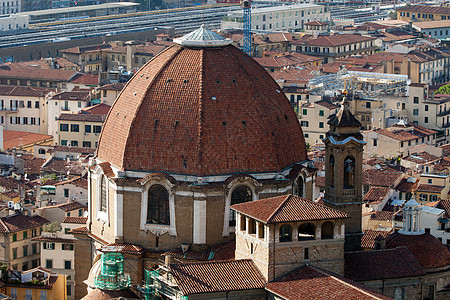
(429, 188)
(287, 208)
(9, 183)
(24, 91)
(326, 104)
(425, 9)
(420, 158)
(316, 23)
(80, 230)
(381, 264)
(376, 194)
(74, 220)
(407, 186)
(72, 96)
(427, 249)
(382, 215)
(310, 282)
(124, 248)
(217, 276)
(432, 24)
(18, 222)
(77, 181)
(18, 139)
(194, 101)
(295, 75)
(73, 149)
(82, 117)
(69, 206)
(62, 166)
(222, 251)
(98, 109)
(86, 79)
(112, 87)
(374, 177)
(369, 237)
(52, 239)
(337, 40)
(17, 70)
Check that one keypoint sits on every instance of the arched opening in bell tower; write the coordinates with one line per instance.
(349, 172)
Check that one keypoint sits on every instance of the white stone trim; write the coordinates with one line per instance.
(101, 215)
(118, 215)
(199, 226)
(235, 183)
(158, 229)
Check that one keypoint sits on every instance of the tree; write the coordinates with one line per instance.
(445, 90)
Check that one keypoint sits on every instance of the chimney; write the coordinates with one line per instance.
(167, 260)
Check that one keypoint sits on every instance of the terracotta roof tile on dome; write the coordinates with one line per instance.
(381, 264)
(202, 111)
(312, 283)
(427, 249)
(217, 276)
(287, 208)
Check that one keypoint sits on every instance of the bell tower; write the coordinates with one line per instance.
(343, 174)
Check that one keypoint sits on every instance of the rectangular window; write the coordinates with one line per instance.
(320, 124)
(14, 237)
(69, 290)
(64, 142)
(25, 235)
(14, 293)
(87, 128)
(305, 112)
(63, 127)
(68, 247)
(25, 250)
(14, 253)
(43, 295)
(34, 248)
(49, 246)
(79, 104)
(49, 263)
(304, 123)
(415, 112)
(426, 119)
(368, 104)
(306, 253)
(29, 104)
(416, 100)
(74, 128)
(426, 107)
(80, 212)
(66, 193)
(74, 143)
(321, 113)
(36, 104)
(97, 129)
(33, 232)
(86, 144)
(375, 142)
(67, 264)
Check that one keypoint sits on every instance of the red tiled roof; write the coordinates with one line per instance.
(25, 91)
(69, 206)
(32, 165)
(52, 239)
(369, 237)
(74, 149)
(382, 215)
(80, 230)
(202, 106)
(426, 9)
(98, 109)
(217, 276)
(72, 96)
(74, 220)
(406, 186)
(87, 79)
(9, 183)
(112, 87)
(376, 194)
(316, 23)
(82, 117)
(18, 139)
(20, 222)
(17, 70)
(77, 181)
(62, 166)
(427, 249)
(381, 264)
(287, 208)
(320, 181)
(429, 188)
(337, 40)
(310, 282)
(326, 104)
(420, 158)
(445, 205)
(373, 177)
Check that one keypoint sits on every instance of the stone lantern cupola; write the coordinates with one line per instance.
(411, 218)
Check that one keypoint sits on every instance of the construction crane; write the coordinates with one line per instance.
(246, 6)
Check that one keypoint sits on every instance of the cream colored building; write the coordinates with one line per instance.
(57, 213)
(80, 130)
(109, 92)
(19, 251)
(22, 108)
(313, 117)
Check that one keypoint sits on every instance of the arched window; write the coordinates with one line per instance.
(158, 205)
(240, 194)
(332, 170)
(306, 231)
(300, 187)
(285, 233)
(399, 294)
(103, 194)
(327, 230)
(349, 172)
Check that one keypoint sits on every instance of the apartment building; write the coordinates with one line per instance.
(108, 93)
(63, 103)
(418, 13)
(335, 46)
(397, 140)
(362, 110)
(429, 65)
(82, 129)
(22, 108)
(10, 7)
(434, 29)
(19, 251)
(430, 111)
(279, 18)
(313, 117)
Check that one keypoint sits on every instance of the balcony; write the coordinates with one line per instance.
(443, 113)
(12, 109)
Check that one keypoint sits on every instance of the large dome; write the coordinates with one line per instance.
(202, 109)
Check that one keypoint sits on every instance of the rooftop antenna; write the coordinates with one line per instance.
(246, 6)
